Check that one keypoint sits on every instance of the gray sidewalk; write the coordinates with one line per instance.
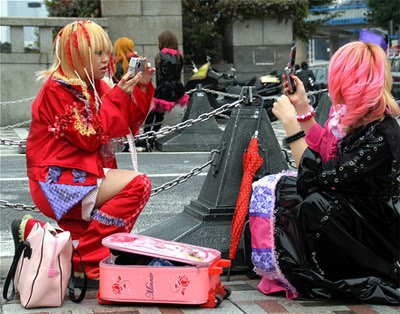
(245, 298)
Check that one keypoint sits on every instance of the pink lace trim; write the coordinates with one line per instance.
(274, 281)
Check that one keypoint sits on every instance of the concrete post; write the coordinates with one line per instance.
(17, 39)
(45, 39)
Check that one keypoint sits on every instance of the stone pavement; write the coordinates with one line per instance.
(245, 298)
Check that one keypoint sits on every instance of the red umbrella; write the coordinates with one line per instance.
(251, 163)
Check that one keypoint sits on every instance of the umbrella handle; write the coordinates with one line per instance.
(260, 114)
(229, 272)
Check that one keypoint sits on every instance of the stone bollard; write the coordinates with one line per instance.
(207, 220)
(202, 136)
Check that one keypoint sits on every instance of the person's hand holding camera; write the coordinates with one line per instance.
(128, 82)
(147, 74)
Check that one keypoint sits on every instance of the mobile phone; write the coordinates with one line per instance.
(136, 65)
(290, 69)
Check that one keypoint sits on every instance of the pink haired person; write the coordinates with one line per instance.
(72, 170)
(332, 229)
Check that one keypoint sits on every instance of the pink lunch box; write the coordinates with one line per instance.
(195, 281)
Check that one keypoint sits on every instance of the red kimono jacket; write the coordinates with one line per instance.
(64, 134)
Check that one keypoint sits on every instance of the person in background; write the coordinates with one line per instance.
(70, 152)
(124, 50)
(170, 90)
(306, 76)
(317, 231)
(296, 68)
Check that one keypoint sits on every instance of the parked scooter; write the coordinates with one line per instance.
(212, 79)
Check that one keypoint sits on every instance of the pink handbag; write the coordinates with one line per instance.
(41, 269)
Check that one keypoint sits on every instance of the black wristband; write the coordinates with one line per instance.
(294, 137)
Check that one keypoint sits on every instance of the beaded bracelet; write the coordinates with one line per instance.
(294, 137)
(307, 116)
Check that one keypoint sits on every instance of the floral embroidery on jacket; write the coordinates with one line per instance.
(82, 125)
(62, 122)
(74, 119)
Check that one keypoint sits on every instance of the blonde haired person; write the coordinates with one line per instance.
(332, 230)
(72, 170)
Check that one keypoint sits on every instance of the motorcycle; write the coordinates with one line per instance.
(210, 78)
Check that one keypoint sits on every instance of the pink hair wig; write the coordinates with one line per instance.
(357, 78)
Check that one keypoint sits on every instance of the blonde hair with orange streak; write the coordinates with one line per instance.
(99, 41)
(122, 47)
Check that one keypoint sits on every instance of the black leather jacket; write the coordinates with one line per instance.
(345, 225)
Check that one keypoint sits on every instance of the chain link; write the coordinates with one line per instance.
(194, 172)
(18, 206)
(320, 91)
(17, 125)
(187, 123)
(16, 101)
(10, 142)
(235, 96)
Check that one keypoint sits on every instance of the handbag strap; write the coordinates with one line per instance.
(11, 273)
(71, 287)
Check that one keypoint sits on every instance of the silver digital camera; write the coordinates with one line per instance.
(136, 65)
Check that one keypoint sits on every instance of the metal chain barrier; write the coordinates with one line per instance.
(17, 125)
(166, 186)
(10, 142)
(19, 207)
(194, 172)
(17, 101)
(187, 123)
(169, 129)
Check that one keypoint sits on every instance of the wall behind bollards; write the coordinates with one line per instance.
(258, 46)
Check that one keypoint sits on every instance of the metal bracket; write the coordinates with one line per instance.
(247, 94)
(217, 162)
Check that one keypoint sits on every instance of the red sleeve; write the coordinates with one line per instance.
(133, 110)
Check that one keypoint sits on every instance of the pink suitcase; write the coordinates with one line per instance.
(196, 282)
